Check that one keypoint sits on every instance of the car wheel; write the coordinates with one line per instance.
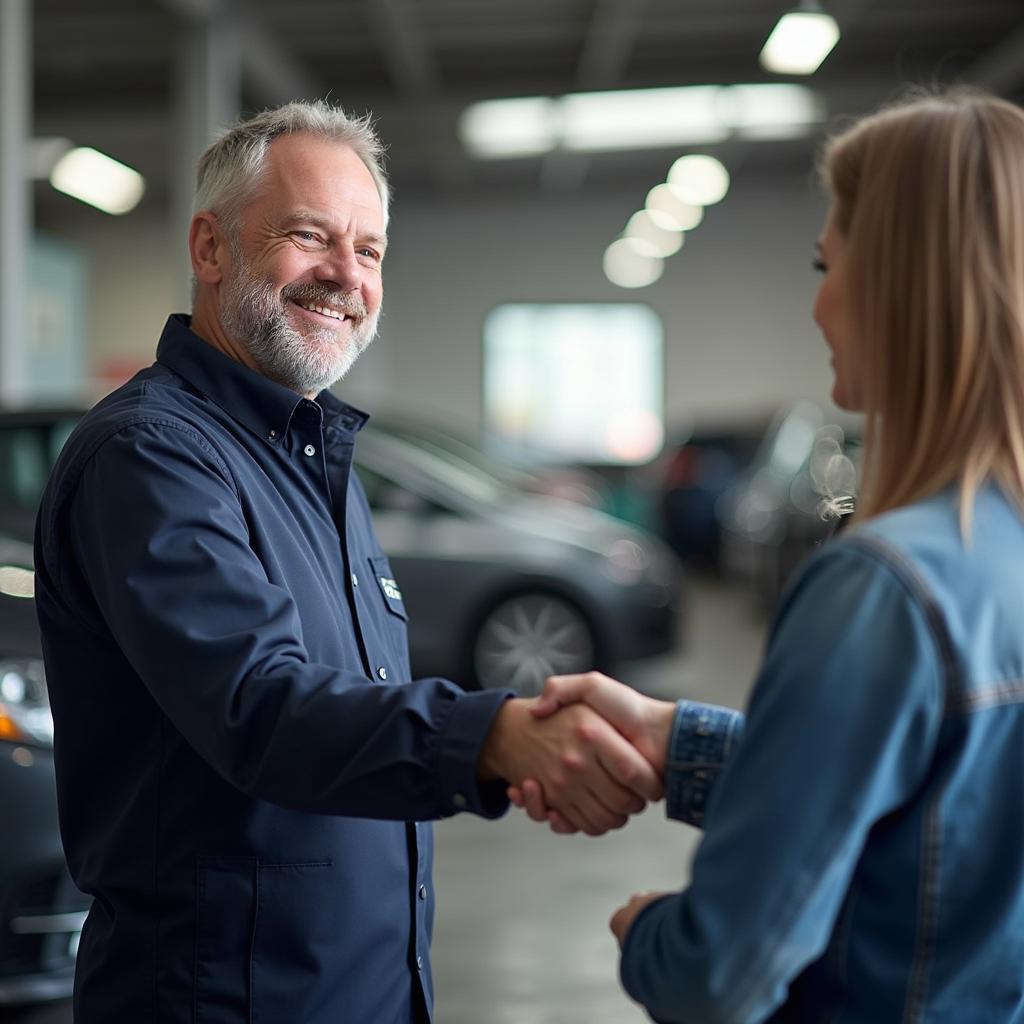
(529, 637)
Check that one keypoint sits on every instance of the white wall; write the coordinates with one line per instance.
(735, 301)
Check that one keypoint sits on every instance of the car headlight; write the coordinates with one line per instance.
(24, 708)
(626, 561)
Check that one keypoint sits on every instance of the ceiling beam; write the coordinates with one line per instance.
(403, 48)
(271, 73)
(609, 43)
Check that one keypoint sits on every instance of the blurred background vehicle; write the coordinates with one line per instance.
(693, 473)
(30, 440)
(41, 911)
(799, 486)
(526, 472)
(505, 587)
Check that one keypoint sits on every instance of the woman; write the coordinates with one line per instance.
(863, 855)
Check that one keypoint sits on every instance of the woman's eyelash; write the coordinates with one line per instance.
(819, 265)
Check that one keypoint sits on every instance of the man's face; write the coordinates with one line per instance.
(304, 289)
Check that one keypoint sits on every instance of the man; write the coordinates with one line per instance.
(242, 760)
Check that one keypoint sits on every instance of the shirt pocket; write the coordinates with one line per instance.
(226, 890)
(387, 595)
(265, 934)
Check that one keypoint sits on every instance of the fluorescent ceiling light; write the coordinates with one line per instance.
(629, 265)
(701, 180)
(638, 119)
(641, 118)
(98, 180)
(799, 42)
(509, 128)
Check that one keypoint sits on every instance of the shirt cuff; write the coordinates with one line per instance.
(462, 737)
(701, 739)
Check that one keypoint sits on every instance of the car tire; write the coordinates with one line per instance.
(528, 637)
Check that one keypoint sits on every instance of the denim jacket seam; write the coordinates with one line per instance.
(926, 926)
(953, 693)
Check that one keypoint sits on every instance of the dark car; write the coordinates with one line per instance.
(693, 473)
(798, 490)
(41, 911)
(505, 587)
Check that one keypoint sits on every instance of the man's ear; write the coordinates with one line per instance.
(207, 248)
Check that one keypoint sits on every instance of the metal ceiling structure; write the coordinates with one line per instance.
(112, 73)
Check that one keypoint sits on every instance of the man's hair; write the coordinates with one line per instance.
(230, 170)
(929, 197)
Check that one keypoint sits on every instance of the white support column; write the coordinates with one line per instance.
(208, 97)
(15, 199)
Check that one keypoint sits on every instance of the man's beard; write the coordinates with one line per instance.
(306, 360)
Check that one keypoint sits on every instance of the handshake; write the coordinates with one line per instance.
(583, 756)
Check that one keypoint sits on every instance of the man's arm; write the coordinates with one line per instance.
(171, 572)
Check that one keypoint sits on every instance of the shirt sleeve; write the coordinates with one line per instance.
(840, 730)
(702, 737)
(160, 540)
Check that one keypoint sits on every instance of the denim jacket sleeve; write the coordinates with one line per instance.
(843, 719)
(703, 736)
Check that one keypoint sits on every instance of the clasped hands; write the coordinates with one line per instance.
(583, 756)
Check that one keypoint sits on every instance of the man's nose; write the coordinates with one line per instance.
(341, 268)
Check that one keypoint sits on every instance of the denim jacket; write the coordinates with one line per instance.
(863, 850)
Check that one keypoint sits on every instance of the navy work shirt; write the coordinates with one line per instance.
(241, 756)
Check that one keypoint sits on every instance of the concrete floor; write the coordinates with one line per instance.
(521, 934)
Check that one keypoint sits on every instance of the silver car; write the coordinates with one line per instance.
(505, 588)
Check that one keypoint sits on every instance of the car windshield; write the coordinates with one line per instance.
(444, 468)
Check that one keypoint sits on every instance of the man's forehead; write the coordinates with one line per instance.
(313, 176)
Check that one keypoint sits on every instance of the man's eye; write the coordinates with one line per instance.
(305, 236)
(819, 265)
(370, 253)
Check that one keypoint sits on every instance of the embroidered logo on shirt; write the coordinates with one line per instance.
(390, 588)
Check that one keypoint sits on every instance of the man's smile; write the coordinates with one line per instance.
(324, 311)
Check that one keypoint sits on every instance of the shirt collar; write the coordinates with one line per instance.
(258, 403)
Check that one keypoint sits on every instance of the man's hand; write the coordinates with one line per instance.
(590, 774)
(623, 918)
(644, 721)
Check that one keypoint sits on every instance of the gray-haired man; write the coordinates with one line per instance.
(242, 759)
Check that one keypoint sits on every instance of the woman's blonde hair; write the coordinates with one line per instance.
(929, 197)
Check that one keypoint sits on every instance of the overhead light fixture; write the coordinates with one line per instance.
(699, 179)
(669, 201)
(800, 41)
(629, 263)
(97, 179)
(648, 227)
(638, 119)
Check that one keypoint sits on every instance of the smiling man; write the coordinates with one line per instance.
(243, 761)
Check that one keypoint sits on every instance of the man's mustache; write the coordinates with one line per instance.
(348, 303)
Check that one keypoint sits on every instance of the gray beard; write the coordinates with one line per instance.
(255, 315)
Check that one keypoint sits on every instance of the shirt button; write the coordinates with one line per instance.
(459, 801)
(382, 672)
(355, 580)
(272, 435)
(422, 892)
(309, 450)
(419, 963)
